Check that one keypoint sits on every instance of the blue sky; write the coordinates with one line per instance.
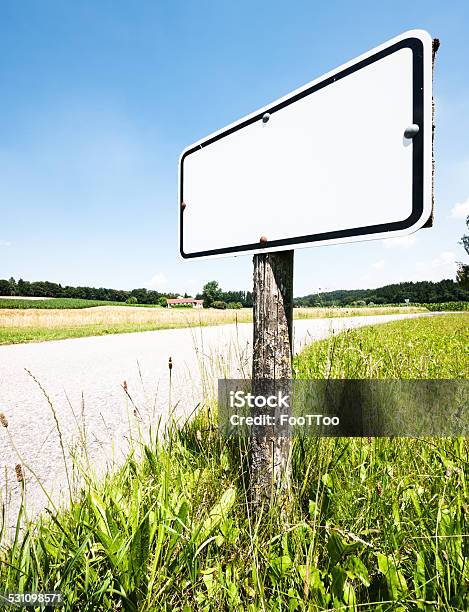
(98, 98)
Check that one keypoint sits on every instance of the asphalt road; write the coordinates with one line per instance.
(79, 384)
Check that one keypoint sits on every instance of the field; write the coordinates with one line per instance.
(60, 303)
(430, 347)
(37, 323)
(372, 524)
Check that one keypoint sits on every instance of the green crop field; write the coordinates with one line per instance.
(62, 303)
(372, 524)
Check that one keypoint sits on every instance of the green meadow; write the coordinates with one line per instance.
(372, 524)
(427, 347)
(63, 303)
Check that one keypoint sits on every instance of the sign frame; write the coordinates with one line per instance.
(420, 43)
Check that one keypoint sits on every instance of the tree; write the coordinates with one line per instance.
(211, 293)
(23, 287)
(5, 287)
(13, 287)
(140, 295)
(462, 275)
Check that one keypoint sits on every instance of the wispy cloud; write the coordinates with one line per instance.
(5, 243)
(158, 282)
(460, 210)
(404, 242)
(378, 265)
(442, 266)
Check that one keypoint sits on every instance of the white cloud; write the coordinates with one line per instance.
(157, 282)
(403, 242)
(378, 265)
(460, 210)
(444, 258)
(442, 266)
(5, 243)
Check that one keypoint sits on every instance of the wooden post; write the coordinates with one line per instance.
(271, 371)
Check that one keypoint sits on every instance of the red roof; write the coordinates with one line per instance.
(184, 301)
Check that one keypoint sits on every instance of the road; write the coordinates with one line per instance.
(80, 384)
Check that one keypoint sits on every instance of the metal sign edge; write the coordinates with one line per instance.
(426, 41)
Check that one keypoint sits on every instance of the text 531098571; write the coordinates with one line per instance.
(31, 599)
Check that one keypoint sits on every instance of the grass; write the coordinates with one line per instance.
(38, 325)
(373, 524)
(40, 334)
(429, 347)
(354, 311)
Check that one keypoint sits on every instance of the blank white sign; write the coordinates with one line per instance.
(328, 163)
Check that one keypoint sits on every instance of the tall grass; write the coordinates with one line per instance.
(430, 347)
(355, 311)
(373, 524)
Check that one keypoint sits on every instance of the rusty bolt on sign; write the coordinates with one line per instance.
(263, 239)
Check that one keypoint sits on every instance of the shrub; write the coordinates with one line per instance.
(219, 304)
(448, 306)
(131, 300)
(234, 305)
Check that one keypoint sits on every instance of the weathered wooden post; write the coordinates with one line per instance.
(272, 371)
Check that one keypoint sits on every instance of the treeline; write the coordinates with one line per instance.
(214, 297)
(421, 292)
(55, 290)
(210, 293)
(240, 297)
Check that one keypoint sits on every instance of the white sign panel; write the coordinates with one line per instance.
(334, 161)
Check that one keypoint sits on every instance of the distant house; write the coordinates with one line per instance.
(181, 300)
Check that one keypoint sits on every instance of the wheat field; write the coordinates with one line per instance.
(114, 315)
(37, 325)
